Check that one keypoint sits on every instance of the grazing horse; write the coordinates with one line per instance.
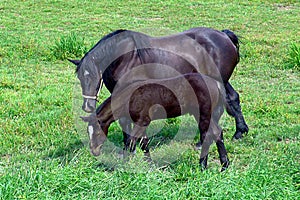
(202, 50)
(144, 101)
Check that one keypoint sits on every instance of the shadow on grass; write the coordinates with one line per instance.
(65, 153)
(168, 141)
(170, 131)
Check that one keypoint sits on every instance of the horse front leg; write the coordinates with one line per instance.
(233, 108)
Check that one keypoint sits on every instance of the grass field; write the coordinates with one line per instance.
(43, 145)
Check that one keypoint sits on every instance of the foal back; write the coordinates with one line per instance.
(192, 93)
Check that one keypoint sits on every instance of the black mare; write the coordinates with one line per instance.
(133, 56)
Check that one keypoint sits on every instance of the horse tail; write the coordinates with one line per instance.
(234, 39)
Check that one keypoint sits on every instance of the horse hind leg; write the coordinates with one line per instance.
(233, 108)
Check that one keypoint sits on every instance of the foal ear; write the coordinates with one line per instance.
(75, 62)
(86, 118)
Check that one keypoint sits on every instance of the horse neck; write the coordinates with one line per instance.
(107, 51)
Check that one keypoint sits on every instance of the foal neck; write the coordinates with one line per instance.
(104, 112)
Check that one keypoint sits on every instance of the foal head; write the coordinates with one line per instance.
(97, 133)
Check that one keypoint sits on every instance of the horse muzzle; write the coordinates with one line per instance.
(89, 105)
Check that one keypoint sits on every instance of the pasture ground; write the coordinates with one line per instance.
(43, 150)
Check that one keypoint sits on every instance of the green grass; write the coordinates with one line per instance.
(69, 46)
(43, 145)
(294, 57)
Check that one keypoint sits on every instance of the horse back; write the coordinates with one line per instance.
(210, 51)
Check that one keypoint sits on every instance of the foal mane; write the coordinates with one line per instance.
(106, 37)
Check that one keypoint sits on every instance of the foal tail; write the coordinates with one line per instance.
(222, 92)
(234, 39)
(218, 110)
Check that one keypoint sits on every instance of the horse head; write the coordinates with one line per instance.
(90, 80)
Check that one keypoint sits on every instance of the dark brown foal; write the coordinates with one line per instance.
(144, 101)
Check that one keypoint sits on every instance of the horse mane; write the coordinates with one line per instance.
(106, 37)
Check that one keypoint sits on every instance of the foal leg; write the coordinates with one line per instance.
(144, 146)
(233, 108)
(139, 132)
(125, 124)
(222, 152)
(204, 152)
(205, 140)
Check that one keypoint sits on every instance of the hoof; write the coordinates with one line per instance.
(238, 135)
(202, 167)
(240, 131)
(121, 154)
(223, 169)
(203, 163)
(147, 157)
(225, 166)
(198, 146)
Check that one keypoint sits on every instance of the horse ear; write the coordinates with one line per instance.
(75, 62)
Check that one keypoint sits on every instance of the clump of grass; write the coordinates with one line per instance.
(294, 57)
(69, 46)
